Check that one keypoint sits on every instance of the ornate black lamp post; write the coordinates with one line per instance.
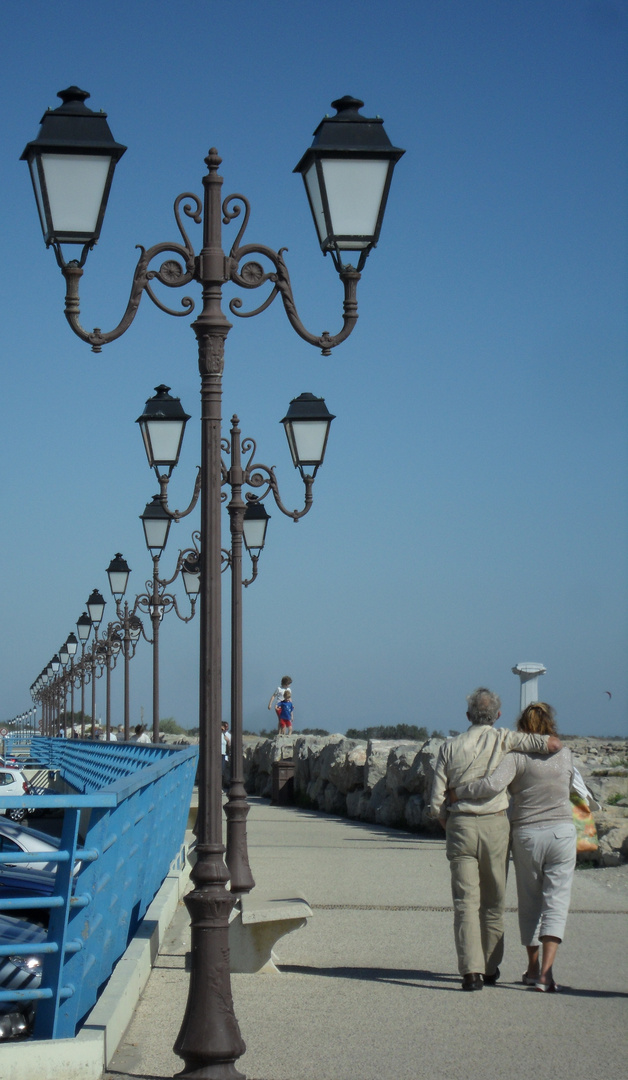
(307, 426)
(83, 628)
(67, 653)
(156, 602)
(347, 173)
(129, 626)
(96, 609)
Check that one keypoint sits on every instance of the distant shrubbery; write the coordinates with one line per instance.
(394, 731)
(407, 732)
(169, 726)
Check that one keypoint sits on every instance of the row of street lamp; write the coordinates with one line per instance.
(162, 425)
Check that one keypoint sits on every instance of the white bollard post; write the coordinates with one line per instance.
(529, 675)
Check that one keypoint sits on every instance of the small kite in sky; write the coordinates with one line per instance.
(609, 694)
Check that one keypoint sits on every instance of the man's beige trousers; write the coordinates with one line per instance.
(477, 849)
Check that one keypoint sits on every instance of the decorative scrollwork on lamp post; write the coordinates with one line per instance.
(347, 172)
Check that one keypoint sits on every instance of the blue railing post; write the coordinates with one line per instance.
(47, 1010)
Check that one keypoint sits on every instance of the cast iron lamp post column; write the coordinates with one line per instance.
(71, 646)
(347, 172)
(96, 608)
(83, 627)
(107, 651)
(64, 658)
(53, 668)
(307, 424)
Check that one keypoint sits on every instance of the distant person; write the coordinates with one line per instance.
(285, 710)
(140, 735)
(277, 695)
(478, 834)
(543, 840)
(225, 750)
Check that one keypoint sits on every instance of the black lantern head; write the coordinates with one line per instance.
(96, 608)
(83, 626)
(118, 574)
(307, 424)
(191, 573)
(254, 526)
(156, 524)
(72, 161)
(162, 425)
(347, 173)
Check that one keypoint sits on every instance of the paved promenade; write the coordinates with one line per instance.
(369, 988)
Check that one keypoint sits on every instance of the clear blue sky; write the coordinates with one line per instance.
(471, 512)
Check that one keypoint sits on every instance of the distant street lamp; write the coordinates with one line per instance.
(83, 628)
(347, 172)
(70, 647)
(155, 601)
(96, 608)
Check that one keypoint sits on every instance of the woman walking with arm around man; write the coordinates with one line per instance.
(543, 840)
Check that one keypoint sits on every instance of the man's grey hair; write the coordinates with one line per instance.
(483, 706)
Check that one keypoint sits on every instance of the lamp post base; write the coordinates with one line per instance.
(210, 1041)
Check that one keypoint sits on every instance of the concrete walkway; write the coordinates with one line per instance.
(369, 988)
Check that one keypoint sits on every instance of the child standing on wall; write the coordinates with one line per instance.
(284, 710)
(277, 695)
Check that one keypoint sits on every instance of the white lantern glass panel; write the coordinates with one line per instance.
(313, 190)
(191, 582)
(38, 195)
(156, 531)
(118, 581)
(354, 192)
(75, 184)
(254, 532)
(307, 444)
(96, 612)
(162, 440)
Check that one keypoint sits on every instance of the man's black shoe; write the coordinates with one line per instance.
(472, 981)
(490, 980)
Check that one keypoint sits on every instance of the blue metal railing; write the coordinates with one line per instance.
(18, 745)
(133, 802)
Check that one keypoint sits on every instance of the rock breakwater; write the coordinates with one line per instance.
(389, 782)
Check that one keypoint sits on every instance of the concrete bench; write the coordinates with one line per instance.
(255, 927)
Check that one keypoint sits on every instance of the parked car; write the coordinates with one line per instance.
(13, 782)
(15, 882)
(21, 972)
(18, 838)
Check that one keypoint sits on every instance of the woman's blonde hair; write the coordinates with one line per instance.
(537, 719)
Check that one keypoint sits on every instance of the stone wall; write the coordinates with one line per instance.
(389, 783)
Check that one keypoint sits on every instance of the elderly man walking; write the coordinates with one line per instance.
(478, 833)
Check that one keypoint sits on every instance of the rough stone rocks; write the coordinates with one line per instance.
(389, 782)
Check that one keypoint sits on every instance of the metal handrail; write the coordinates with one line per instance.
(134, 805)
